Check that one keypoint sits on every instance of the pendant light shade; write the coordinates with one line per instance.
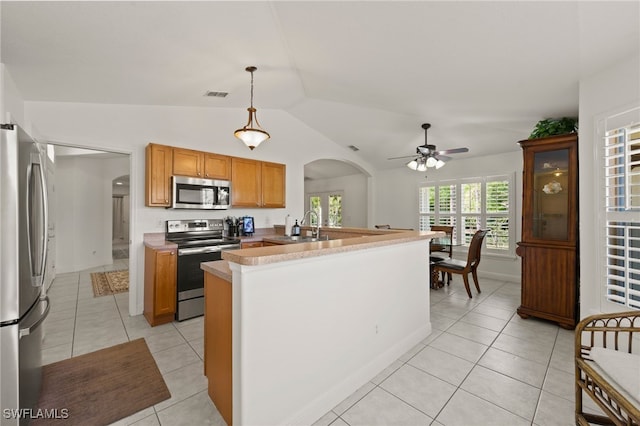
(252, 134)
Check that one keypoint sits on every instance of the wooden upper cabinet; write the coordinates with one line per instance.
(217, 166)
(158, 171)
(257, 184)
(273, 185)
(187, 162)
(253, 183)
(246, 183)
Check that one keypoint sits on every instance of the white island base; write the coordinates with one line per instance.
(306, 333)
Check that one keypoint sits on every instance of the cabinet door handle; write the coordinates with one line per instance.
(172, 253)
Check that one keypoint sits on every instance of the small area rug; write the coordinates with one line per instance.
(101, 387)
(112, 282)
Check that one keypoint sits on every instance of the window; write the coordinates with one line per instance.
(622, 214)
(469, 205)
(329, 204)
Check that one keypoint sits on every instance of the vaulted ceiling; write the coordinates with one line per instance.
(363, 73)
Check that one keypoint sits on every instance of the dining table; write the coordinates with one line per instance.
(438, 245)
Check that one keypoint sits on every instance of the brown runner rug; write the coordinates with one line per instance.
(101, 387)
(113, 282)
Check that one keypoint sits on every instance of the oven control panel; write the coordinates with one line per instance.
(174, 226)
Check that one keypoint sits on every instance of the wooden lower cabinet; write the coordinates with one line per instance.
(251, 244)
(160, 269)
(218, 366)
(549, 289)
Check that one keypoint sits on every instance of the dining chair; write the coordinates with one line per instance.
(440, 252)
(453, 266)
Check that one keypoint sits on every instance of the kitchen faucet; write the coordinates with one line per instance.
(315, 233)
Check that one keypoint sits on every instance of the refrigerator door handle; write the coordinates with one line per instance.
(37, 260)
(31, 328)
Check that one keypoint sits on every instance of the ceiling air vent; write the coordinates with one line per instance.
(216, 94)
(354, 148)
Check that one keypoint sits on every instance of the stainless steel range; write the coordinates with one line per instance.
(199, 240)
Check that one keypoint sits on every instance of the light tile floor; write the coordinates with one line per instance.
(481, 365)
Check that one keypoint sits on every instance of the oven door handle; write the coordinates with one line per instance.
(198, 250)
(229, 246)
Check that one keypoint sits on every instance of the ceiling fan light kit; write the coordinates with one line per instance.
(252, 135)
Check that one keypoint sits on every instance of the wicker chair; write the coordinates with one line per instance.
(619, 332)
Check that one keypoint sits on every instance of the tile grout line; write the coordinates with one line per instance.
(458, 387)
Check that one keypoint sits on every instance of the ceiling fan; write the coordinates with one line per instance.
(428, 156)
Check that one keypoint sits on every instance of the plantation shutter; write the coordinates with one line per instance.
(622, 212)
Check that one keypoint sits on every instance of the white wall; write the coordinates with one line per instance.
(11, 103)
(611, 90)
(129, 128)
(84, 212)
(396, 200)
(354, 203)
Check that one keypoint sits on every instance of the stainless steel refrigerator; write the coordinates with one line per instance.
(23, 257)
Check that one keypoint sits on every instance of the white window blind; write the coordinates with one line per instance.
(469, 205)
(622, 214)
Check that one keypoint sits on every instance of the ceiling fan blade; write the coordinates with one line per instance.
(452, 151)
(443, 157)
(404, 156)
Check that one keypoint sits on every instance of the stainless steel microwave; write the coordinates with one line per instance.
(197, 193)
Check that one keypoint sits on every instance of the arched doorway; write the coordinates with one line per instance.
(340, 189)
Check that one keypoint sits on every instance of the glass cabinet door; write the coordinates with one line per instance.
(550, 215)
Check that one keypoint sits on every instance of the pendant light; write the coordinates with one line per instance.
(250, 135)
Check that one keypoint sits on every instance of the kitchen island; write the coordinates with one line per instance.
(292, 330)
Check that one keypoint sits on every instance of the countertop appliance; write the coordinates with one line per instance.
(199, 240)
(248, 225)
(202, 194)
(23, 257)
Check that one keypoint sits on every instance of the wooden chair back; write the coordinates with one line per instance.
(454, 266)
(434, 247)
(475, 248)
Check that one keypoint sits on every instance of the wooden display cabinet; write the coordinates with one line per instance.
(550, 230)
(160, 293)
